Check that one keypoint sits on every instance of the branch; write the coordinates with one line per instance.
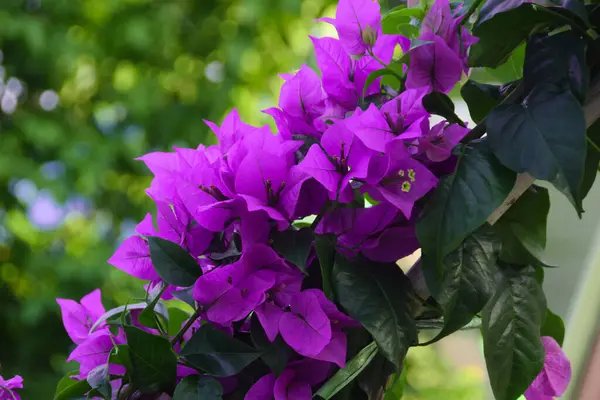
(591, 111)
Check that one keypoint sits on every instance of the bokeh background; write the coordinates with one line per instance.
(86, 86)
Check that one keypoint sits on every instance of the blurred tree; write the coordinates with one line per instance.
(85, 87)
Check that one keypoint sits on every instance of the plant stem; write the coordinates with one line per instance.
(187, 326)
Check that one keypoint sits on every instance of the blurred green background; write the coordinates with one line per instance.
(85, 87)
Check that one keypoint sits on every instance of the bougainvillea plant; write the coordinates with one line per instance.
(284, 245)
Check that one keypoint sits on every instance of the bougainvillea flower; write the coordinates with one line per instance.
(294, 383)
(434, 66)
(437, 145)
(8, 386)
(78, 318)
(358, 23)
(231, 130)
(339, 158)
(555, 376)
(405, 180)
(305, 327)
(95, 350)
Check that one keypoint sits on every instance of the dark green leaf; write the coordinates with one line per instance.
(571, 9)
(198, 387)
(379, 296)
(501, 29)
(373, 77)
(325, 247)
(523, 228)
(275, 354)
(155, 315)
(558, 59)
(440, 104)
(346, 375)
(120, 355)
(176, 319)
(174, 265)
(461, 204)
(553, 326)
(480, 98)
(512, 320)
(544, 136)
(294, 245)
(217, 353)
(396, 390)
(152, 359)
(70, 389)
(373, 379)
(468, 279)
(592, 159)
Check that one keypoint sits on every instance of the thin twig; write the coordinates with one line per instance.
(187, 326)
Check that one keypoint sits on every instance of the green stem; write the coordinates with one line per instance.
(370, 51)
(594, 145)
(187, 326)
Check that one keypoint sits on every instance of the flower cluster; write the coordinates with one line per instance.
(338, 141)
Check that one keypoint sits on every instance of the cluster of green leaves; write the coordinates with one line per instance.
(536, 126)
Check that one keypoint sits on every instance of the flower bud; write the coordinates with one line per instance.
(369, 36)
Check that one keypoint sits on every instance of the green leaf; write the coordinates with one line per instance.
(512, 320)
(155, 315)
(196, 387)
(217, 353)
(553, 326)
(398, 22)
(294, 245)
(120, 355)
(172, 263)
(396, 390)
(480, 98)
(512, 69)
(501, 29)
(440, 104)
(468, 281)
(325, 247)
(176, 319)
(346, 375)
(70, 389)
(373, 77)
(558, 59)
(379, 296)
(153, 361)
(544, 136)
(375, 376)
(592, 159)
(461, 203)
(275, 354)
(523, 228)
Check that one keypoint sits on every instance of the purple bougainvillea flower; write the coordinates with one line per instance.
(376, 128)
(8, 386)
(231, 130)
(439, 20)
(434, 66)
(78, 318)
(306, 327)
(358, 23)
(437, 145)
(302, 95)
(381, 233)
(294, 383)
(230, 292)
(95, 350)
(340, 158)
(555, 376)
(409, 181)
